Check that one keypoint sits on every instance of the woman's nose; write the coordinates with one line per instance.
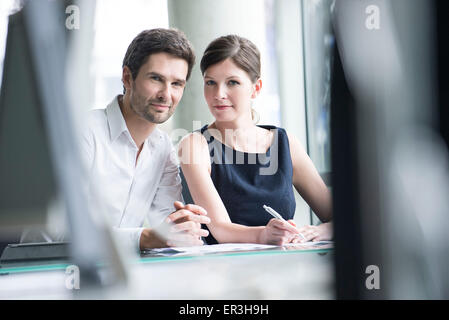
(220, 93)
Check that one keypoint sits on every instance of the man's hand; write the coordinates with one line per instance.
(187, 230)
(181, 228)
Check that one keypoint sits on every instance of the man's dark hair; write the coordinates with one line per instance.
(152, 41)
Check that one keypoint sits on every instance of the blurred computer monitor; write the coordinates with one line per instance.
(389, 159)
(27, 183)
(41, 165)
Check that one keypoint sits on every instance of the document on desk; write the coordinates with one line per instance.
(311, 244)
(234, 247)
(213, 248)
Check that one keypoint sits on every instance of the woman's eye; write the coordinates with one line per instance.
(210, 83)
(233, 82)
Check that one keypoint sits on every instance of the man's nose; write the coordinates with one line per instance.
(164, 93)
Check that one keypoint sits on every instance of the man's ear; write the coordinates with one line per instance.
(257, 89)
(127, 78)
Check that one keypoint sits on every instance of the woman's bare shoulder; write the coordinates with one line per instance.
(193, 149)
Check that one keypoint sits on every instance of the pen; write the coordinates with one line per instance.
(273, 212)
(278, 216)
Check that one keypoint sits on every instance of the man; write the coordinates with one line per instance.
(132, 162)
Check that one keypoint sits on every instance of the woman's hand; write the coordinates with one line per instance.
(278, 232)
(323, 231)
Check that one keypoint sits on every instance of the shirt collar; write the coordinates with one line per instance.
(117, 124)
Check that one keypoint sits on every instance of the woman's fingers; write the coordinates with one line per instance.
(283, 225)
(309, 233)
(280, 232)
(280, 229)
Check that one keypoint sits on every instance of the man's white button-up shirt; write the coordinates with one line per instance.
(129, 191)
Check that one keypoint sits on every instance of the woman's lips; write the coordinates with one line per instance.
(222, 107)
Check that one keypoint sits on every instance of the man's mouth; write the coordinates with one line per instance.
(160, 107)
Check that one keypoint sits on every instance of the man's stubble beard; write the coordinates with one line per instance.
(144, 110)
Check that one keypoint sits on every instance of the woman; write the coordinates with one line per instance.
(234, 167)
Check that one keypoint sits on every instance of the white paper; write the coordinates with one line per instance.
(214, 248)
(309, 243)
(232, 247)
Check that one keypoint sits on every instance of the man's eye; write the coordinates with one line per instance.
(156, 78)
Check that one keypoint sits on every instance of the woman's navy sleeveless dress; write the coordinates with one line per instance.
(247, 181)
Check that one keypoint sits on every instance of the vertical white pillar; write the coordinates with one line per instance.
(202, 21)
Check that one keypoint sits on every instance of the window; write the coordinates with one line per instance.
(318, 47)
(7, 7)
(116, 24)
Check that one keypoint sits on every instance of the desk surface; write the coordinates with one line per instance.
(260, 274)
